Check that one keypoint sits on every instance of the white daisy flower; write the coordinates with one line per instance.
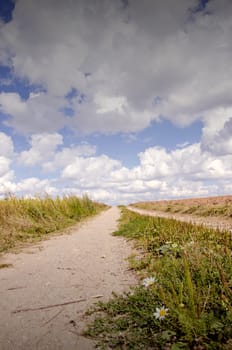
(160, 313)
(149, 281)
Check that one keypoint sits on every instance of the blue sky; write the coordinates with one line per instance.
(122, 100)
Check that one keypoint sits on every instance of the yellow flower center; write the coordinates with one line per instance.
(163, 312)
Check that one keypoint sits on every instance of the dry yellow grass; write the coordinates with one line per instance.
(220, 206)
(28, 220)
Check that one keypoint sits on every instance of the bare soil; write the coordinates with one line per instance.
(46, 291)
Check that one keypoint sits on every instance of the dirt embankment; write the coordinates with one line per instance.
(214, 222)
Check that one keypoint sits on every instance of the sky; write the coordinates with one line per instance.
(123, 100)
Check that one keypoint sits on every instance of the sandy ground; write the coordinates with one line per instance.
(84, 266)
(214, 222)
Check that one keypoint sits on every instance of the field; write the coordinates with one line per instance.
(183, 299)
(30, 220)
(220, 206)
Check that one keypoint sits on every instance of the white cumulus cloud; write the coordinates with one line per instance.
(129, 64)
(109, 67)
(43, 147)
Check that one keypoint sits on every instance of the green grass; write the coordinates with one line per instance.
(193, 270)
(29, 220)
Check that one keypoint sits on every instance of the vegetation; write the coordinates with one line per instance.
(28, 220)
(184, 298)
(211, 206)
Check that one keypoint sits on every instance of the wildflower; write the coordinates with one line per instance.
(160, 313)
(174, 245)
(149, 281)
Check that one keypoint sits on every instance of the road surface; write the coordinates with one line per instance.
(75, 270)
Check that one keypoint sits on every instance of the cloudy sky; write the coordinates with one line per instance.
(124, 100)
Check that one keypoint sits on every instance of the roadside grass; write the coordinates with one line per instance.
(30, 220)
(215, 206)
(184, 297)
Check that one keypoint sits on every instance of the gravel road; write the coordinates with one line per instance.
(82, 267)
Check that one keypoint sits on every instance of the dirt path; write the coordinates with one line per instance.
(85, 266)
(214, 222)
